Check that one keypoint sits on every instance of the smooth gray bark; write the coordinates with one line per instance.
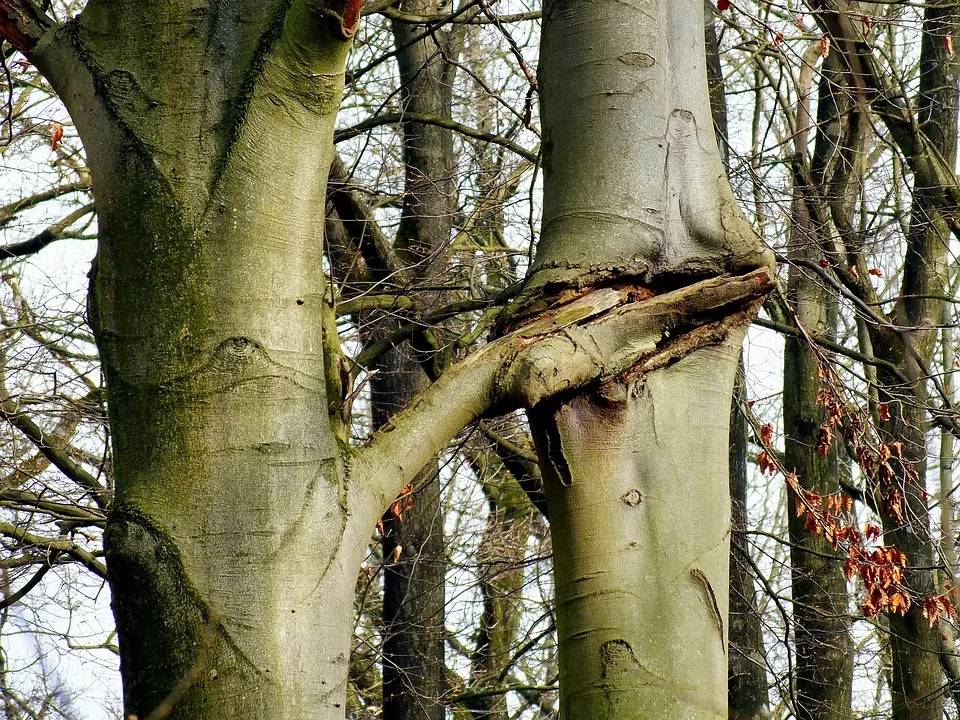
(636, 471)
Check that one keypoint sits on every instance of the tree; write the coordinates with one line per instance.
(240, 518)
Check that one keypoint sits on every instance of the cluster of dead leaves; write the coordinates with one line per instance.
(882, 463)
(399, 506)
(880, 567)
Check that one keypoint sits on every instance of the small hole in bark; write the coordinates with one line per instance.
(300, 302)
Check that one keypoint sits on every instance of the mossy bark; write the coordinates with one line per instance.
(208, 137)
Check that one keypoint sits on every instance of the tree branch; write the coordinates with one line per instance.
(394, 118)
(31, 583)
(9, 212)
(371, 242)
(10, 412)
(49, 235)
(84, 557)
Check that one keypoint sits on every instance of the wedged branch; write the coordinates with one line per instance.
(591, 340)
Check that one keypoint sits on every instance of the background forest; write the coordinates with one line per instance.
(844, 437)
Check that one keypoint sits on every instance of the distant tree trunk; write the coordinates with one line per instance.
(747, 684)
(918, 681)
(747, 678)
(502, 552)
(414, 673)
(635, 471)
(821, 622)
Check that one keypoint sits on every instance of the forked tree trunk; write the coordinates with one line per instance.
(636, 471)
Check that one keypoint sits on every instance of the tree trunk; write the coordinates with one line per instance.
(414, 674)
(231, 561)
(917, 683)
(747, 676)
(636, 471)
(821, 622)
(502, 552)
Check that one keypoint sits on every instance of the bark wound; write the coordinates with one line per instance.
(13, 35)
(632, 498)
(708, 591)
(554, 452)
(638, 60)
(351, 16)
(617, 659)
(347, 12)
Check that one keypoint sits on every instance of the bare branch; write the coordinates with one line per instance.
(46, 237)
(394, 118)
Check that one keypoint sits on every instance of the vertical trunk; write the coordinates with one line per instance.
(747, 678)
(413, 587)
(413, 584)
(917, 684)
(636, 471)
(821, 623)
(501, 584)
(747, 684)
(228, 545)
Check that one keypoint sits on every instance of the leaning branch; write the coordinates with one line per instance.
(594, 339)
